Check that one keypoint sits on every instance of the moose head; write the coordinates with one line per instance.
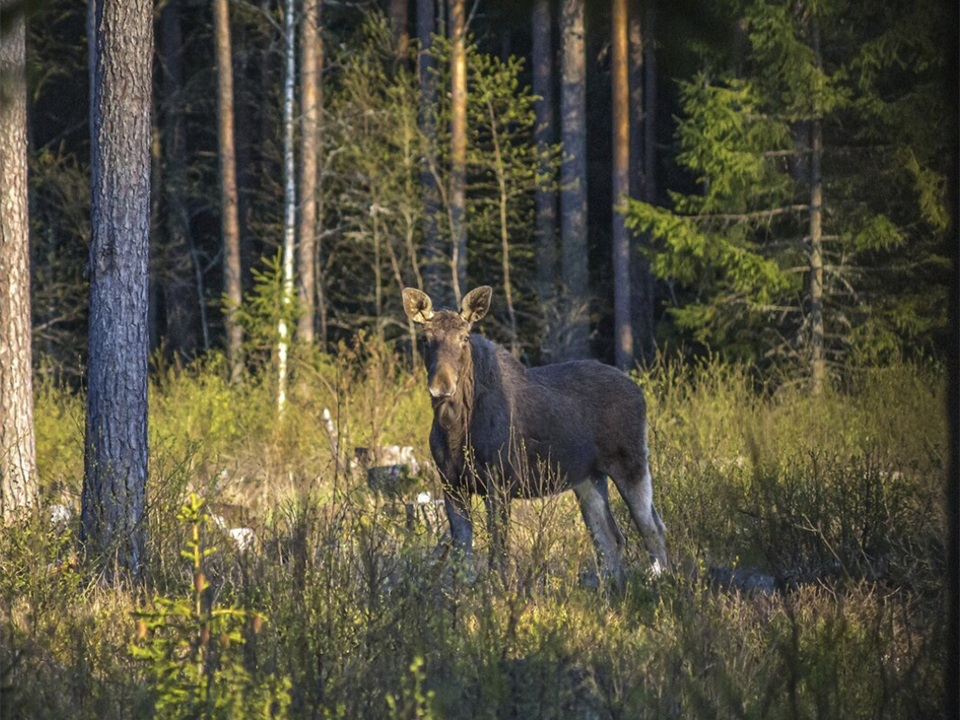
(447, 335)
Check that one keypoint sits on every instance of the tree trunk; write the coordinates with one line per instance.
(641, 279)
(113, 522)
(185, 309)
(501, 172)
(573, 183)
(309, 123)
(432, 254)
(952, 669)
(545, 200)
(399, 22)
(623, 331)
(18, 463)
(458, 146)
(319, 282)
(817, 357)
(228, 187)
(650, 105)
(289, 199)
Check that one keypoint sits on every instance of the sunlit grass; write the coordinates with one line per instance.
(837, 499)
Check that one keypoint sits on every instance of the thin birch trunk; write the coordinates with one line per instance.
(289, 201)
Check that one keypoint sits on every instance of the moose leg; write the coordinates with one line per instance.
(607, 538)
(635, 486)
(498, 520)
(457, 506)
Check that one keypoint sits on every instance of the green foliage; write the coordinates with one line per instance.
(739, 248)
(413, 703)
(263, 309)
(192, 649)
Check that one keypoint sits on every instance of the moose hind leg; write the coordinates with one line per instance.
(607, 538)
(636, 487)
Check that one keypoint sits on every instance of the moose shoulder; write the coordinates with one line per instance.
(501, 430)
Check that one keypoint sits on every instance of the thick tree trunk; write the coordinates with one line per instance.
(433, 264)
(817, 355)
(545, 199)
(641, 279)
(309, 124)
(458, 146)
(573, 182)
(186, 325)
(289, 198)
(228, 186)
(18, 464)
(113, 522)
(399, 22)
(623, 331)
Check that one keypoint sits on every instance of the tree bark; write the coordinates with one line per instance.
(399, 22)
(182, 297)
(458, 146)
(641, 279)
(228, 187)
(309, 123)
(432, 254)
(113, 522)
(545, 200)
(952, 353)
(18, 463)
(573, 182)
(623, 331)
(817, 356)
(289, 198)
(650, 104)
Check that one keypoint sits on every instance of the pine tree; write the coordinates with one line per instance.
(791, 249)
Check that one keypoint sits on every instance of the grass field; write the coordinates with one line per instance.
(342, 609)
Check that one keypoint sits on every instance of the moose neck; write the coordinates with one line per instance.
(454, 414)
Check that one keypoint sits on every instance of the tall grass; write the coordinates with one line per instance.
(837, 500)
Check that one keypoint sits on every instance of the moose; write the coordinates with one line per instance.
(504, 431)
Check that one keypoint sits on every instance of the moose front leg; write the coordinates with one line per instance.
(498, 521)
(457, 505)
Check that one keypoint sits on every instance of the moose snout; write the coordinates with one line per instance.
(442, 390)
(443, 383)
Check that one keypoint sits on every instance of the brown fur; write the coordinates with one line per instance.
(503, 431)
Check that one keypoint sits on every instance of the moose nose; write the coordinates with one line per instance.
(439, 391)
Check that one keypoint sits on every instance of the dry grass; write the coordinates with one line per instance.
(837, 499)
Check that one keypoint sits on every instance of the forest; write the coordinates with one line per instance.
(219, 492)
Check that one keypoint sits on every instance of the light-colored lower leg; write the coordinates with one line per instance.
(607, 538)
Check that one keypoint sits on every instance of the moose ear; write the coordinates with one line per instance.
(417, 305)
(476, 304)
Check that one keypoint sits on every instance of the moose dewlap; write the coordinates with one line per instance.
(501, 430)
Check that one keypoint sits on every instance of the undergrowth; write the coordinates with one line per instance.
(346, 607)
